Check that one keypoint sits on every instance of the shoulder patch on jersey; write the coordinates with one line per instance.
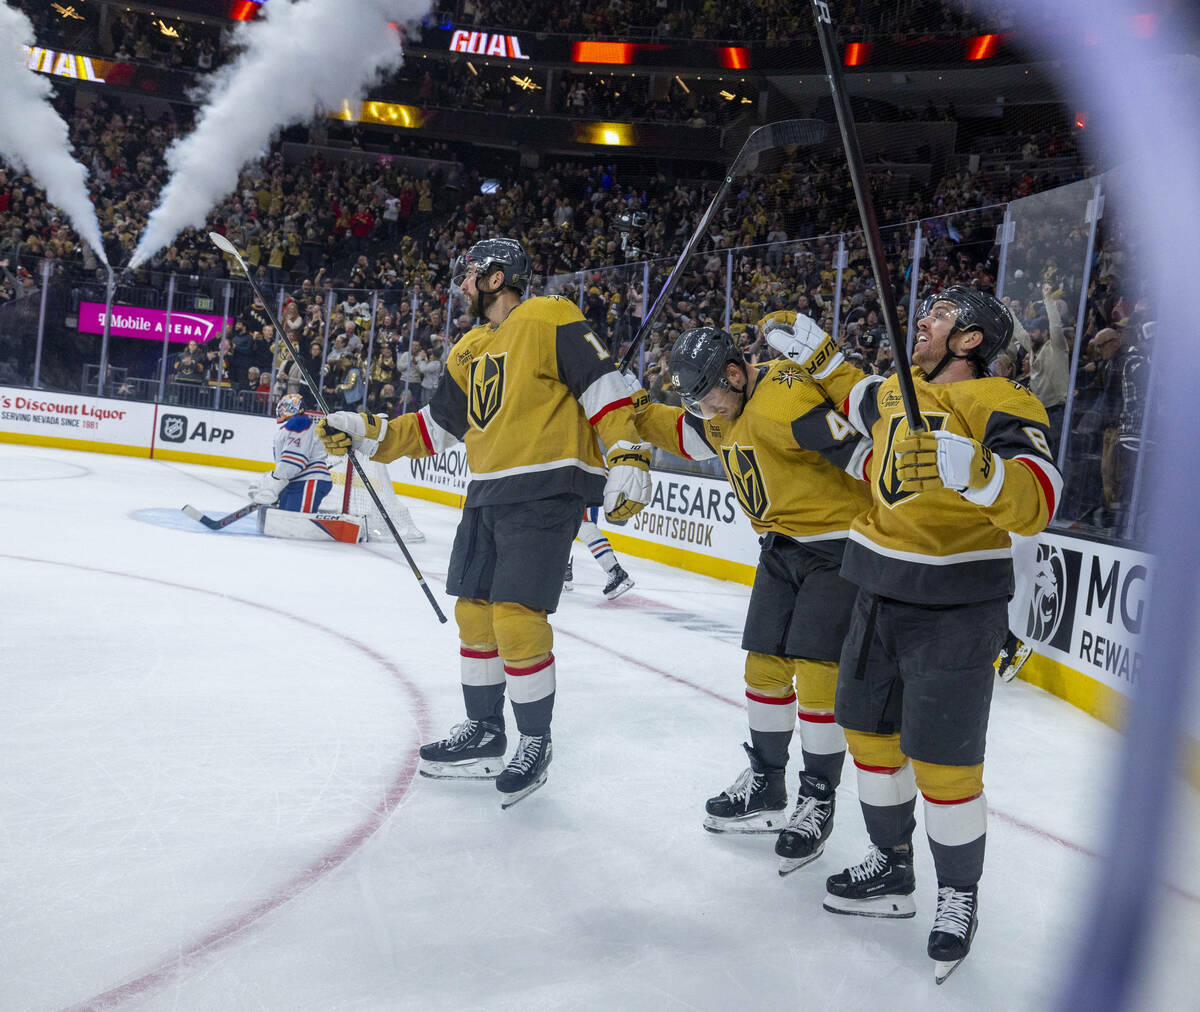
(298, 423)
(788, 375)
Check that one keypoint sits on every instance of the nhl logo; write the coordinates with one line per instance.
(173, 428)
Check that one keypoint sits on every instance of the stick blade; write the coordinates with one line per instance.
(785, 133)
(222, 243)
(199, 517)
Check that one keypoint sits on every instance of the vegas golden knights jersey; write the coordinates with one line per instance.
(524, 397)
(794, 462)
(935, 547)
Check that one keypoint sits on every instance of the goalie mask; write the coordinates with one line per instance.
(289, 405)
(489, 255)
(697, 365)
(972, 311)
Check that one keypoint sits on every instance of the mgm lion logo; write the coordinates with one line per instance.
(887, 482)
(486, 389)
(746, 477)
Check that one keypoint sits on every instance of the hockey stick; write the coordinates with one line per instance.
(802, 132)
(226, 246)
(216, 525)
(866, 211)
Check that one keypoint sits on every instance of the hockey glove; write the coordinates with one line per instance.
(801, 339)
(266, 490)
(628, 487)
(637, 393)
(943, 459)
(343, 431)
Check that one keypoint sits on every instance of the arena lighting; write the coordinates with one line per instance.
(245, 10)
(602, 52)
(686, 89)
(1081, 120)
(982, 47)
(734, 57)
(619, 135)
(857, 54)
(384, 113)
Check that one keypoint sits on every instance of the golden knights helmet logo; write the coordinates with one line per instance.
(887, 484)
(486, 389)
(746, 477)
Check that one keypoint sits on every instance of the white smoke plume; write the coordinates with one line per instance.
(33, 137)
(298, 58)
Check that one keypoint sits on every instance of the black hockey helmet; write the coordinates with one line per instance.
(697, 363)
(976, 311)
(489, 254)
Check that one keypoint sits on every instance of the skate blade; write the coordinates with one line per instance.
(787, 865)
(620, 589)
(943, 969)
(472, 769)
(878, 906)
(759, 822)
(568, 586)
(1009, 671)
(508, 800)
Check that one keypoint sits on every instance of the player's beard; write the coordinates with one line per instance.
(479, 303)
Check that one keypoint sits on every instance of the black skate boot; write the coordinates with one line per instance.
(526, 770)
(569, 575)
(803, 839)
(474, 750)
(882, 886)
(1013, 655)
(953, 928)
(618, 582)
(756, 802)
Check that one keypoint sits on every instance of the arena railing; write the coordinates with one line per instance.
(52, 336)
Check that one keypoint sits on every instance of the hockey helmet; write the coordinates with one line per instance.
(489, 255)
(288, 406)
(975, 311)
(697, 364)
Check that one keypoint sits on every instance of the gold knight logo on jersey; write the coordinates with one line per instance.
(486, 389)
(888, 483)
(746, 477)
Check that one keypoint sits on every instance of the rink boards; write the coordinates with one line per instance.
(1081, 602)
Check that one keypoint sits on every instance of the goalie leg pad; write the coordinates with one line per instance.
(523, 634)
(278, 523)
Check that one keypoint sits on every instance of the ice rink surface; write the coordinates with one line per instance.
(209, 797)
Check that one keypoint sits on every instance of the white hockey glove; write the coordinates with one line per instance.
(628, 487)
(941, 459)
(801, 339)
(637, 393)
(266, 490)
(343, 431)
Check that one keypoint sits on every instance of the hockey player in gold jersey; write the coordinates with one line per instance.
(528, 392)
(932, 561)
(796, 467)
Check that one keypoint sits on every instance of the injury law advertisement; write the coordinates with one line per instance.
(69, 416)
(446, 471)
(1082, 603)
(135, 321)
(697, 514)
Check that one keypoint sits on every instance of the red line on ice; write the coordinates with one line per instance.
(319, 868)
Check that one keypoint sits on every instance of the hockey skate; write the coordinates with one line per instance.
(804, 836)
(881, 886)
(755, 803)
(526, 770)
(619, 581)
(474, 750)
(569, 575)
(953, 928)
(1011, 664)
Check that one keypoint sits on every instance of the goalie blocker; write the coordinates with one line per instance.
(277, 523)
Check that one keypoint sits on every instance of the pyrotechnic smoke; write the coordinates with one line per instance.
(34, 137)
(300, 57)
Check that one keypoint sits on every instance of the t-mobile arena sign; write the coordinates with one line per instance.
(134, 321)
